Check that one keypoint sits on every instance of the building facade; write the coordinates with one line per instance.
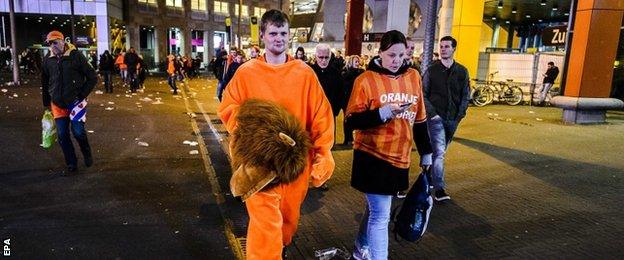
(195, 28)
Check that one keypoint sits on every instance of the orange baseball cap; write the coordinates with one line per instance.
(54, 35)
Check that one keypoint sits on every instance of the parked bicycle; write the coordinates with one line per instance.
(486, 92)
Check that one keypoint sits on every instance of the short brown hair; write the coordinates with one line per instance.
(275, 17)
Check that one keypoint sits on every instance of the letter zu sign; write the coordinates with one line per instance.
(554, 36)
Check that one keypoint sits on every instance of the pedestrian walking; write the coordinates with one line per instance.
(549, 79)
(173, 69)
(329, 77)
(349, 74)
(446, 96)
(67, 79)
(274, 211)
(106, 68)
(238, 60)
(122, 67)
(388, 111)
(131, 59)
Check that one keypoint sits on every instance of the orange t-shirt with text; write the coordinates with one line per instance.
(391, 141)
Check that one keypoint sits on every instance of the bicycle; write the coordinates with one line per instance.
(502, 91)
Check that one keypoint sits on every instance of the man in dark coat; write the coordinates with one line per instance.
(131, 59)
(67, 79)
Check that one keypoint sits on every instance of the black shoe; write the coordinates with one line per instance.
(88, 160)
(440, 195)
(175, 92)
(70, 171)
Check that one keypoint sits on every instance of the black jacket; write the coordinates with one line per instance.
(67, 78)
(349, 76)
(551, 75)
(332, 84)
(131, 60)
(230, 73)
(447, 92)
(107, 63)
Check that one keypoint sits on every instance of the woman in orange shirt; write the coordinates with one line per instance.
(388, 111)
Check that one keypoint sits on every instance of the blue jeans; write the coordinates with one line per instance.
(78, 129)
(544, 91)
(171, 79)
(373, 232)
(441, 133)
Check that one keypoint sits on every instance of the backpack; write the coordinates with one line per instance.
(413, 215)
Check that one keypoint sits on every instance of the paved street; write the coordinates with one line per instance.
(523, 185)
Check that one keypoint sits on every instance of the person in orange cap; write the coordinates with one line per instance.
(275, 76)
(67, 78)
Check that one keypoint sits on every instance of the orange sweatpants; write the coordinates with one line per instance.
(273, 217)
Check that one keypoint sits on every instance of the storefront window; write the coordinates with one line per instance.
(148, 1)
(258, 11)
(221, 7)
(245, 10)
(198, 5)
(174, 3)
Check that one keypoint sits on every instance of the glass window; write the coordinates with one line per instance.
(148, 1)
(175, 3)
(245, 10)
(221, 7)
(259, 11)
(198, 5)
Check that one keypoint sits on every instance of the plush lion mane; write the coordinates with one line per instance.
(257, 141)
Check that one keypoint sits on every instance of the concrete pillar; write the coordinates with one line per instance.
(590, 69)
(445, 17)
(103, 33)
(133, 34)
(207, 47)
(398, 15)
(353, 39)
(510, 36)
(162, 40)
(467, 31)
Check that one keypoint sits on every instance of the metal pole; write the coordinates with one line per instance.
(240, 14)
(73, 26)
(3, 33)
(431, 16)
(568, 45)
(14, 43)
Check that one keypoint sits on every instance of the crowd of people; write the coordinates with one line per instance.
(386, 108)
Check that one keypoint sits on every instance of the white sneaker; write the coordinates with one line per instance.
(361, 253)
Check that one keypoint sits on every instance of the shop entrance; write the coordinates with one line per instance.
(148, 45)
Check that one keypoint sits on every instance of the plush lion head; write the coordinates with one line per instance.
(269, 145)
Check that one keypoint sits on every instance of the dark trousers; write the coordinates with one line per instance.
(134, 82)
(63, 125)
(108, 82)
(348, 131)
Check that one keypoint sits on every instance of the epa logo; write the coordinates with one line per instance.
(7, 248)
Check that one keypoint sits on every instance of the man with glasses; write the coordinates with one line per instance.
(330, 79)
(67, 79)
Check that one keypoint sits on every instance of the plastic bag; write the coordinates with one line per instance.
(48, 133)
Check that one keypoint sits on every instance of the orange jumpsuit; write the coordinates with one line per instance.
(274, 213)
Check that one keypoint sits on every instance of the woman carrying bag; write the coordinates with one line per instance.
(387, 110)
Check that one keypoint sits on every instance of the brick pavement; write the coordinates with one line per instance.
(523, 186)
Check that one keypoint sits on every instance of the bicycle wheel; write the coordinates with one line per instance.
(514, 96)
(480, 96)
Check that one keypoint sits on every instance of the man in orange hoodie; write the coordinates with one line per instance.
(275, 76)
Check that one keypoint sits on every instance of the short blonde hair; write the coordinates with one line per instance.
(351, 60)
